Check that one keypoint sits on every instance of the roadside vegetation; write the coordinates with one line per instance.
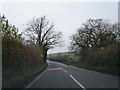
(95, 46)
(21, 61)
(23, 58)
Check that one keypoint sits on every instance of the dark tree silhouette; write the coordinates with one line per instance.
(94, 33)
(42, 33)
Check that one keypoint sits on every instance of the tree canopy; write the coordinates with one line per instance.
(9, 30)
(94, 33)
(41, 32)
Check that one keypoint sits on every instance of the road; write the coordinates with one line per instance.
(58, 75)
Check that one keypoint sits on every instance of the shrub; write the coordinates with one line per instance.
(20, 62)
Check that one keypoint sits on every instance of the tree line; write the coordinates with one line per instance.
(97, 43)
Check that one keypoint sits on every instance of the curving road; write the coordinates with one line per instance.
(58, 75)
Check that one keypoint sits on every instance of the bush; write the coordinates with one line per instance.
(12, 53)
(106, 58)
(20, 62)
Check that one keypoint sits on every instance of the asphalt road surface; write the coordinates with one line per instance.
(58, 75)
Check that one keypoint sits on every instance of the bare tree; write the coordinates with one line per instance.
(42, 33)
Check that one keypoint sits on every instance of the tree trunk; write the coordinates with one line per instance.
(45, 54)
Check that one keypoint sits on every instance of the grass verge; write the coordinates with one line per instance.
(21, 79)
(101, 69)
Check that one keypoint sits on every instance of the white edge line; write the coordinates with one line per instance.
(78, 83)
(35, 79)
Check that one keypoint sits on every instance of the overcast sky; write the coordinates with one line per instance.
(67, 16)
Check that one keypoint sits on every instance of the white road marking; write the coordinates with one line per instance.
(35, 80)
(64, 70)
(78, 83)
(54, 69)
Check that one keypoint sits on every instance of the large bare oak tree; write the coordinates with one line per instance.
(40, 31)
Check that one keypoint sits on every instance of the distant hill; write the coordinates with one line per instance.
(60, 54)
(63, 57)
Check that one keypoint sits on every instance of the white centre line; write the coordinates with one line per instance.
(78, 83)
(64, 70)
